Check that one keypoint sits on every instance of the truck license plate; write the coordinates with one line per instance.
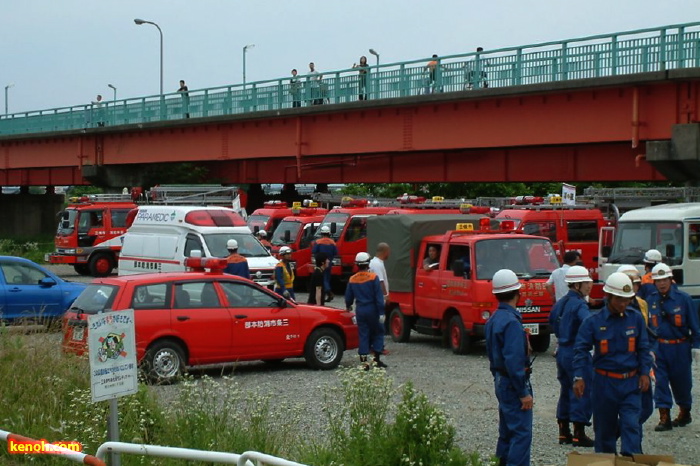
(78, 333)
(532, 329)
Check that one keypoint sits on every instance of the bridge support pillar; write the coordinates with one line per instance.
(679, 158)
(29, 215)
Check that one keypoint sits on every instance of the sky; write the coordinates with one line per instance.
(64, 52)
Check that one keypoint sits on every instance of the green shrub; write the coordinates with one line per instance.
(32, 249)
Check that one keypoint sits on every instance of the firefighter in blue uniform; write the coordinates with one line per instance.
(326, 245)
(566, 318)
(640, 305)
(674, 319)
(365, 290)
(509, 362)
(651, 258)
(621, 364)
(235, 263)
(284, 274)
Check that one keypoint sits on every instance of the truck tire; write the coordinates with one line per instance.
(539, 343)
(101, 265)
(460, 342)
(81, 269)
(399, 326)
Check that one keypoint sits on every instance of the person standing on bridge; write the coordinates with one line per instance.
(362, 81)
(432, 68)
(295, 89)
(98, 111)
(315, 84)
(185, 98)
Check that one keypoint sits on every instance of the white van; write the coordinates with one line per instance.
(161, 237)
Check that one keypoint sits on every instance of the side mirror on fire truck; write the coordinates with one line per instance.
(605, 251)
(334, 228)
(287, 236)
(458, 268)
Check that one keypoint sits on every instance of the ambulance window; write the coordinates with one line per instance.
(192, 244)
(357, 229)
(582, 231)
(546, 229)
(694, 240)
(118, 217)
(459, 260)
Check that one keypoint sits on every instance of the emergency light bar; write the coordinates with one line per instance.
(199, 264)
(214, 218)
(275, 205)
(410, 199)
(350, 202)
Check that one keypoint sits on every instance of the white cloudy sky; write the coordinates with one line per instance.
(64, 52)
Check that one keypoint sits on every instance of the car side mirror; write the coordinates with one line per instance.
(605, 251)
(282, 303)
(458, 268)
(334, 228)
(47, 282)
(65, 224)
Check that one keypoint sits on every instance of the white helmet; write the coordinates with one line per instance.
(325, 230)
(577, 274)
(652, 256)
(362, 258)
(661, 271)
(631, 271)
(231, 244)
(285, 250)
(503, 281)
(262, 233)
(619, 284)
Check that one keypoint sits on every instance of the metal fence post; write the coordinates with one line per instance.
(662, 51)
(614, 53)
(518, 71)
(680, 48)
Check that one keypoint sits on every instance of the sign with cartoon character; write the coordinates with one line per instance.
(112, 353)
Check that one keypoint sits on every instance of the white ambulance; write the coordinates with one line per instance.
(161, 237)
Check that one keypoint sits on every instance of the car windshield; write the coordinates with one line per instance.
(527, 257)
(95, 298)
(337, 219)
(633, 239)
(66, 222)
(248, 245)
(278, 237)
(259, 221)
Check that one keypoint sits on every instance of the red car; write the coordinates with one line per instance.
(194, 318)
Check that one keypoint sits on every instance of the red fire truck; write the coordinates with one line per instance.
(297, 232)
(87, 230)
(273, 212)
(451, 294)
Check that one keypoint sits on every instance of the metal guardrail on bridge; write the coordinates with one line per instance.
(624, 53)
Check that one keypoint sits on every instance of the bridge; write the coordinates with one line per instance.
(620, 106)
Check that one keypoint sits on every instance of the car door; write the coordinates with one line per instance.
(261, 327)
(25, 296)
(202, 321)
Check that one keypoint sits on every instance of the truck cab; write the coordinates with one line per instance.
(297, 232)
(86, 228)
(440, 284)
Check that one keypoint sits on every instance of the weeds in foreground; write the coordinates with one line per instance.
(45, 394)
(33, 249)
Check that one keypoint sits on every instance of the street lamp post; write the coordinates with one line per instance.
(115, 91)
(140, 22)
(376, 73)
(6, 88)
(245, 50)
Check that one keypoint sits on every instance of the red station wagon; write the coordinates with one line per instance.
(194, 318)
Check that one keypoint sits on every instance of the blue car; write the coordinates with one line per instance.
(28, 290)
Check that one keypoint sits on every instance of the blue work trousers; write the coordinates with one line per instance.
(280, 291)
(617, 408)
(327, 280)
(514, 424)
(673, 373)
(370, 331)
(569, 407)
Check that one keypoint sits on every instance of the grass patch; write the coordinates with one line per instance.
(45, 394)
(29, 248)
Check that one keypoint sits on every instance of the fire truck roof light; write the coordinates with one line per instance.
(485, 223)
(275, 205)
(507, 225)
(465, 227)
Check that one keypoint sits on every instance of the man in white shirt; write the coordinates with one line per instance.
(556, 286)
(376, 265)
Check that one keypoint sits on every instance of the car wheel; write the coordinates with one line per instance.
(81, 269)
(539, 343)
(324, 349)
(101, 265)
(399, 326)
(460, 342)
(164, 362)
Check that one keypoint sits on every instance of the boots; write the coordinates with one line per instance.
(665, 420)
(580, 439)
(378, 361)
(363, 360)
(564, 432)
(683, 418)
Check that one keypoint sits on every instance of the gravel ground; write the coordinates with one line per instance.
(462, 383)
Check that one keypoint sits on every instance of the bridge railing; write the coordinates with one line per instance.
(648, 50)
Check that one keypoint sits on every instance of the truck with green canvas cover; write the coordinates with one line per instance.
(447, 292)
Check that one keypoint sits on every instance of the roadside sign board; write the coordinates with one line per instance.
(112, 353)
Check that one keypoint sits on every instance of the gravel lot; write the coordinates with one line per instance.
(462, 383)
